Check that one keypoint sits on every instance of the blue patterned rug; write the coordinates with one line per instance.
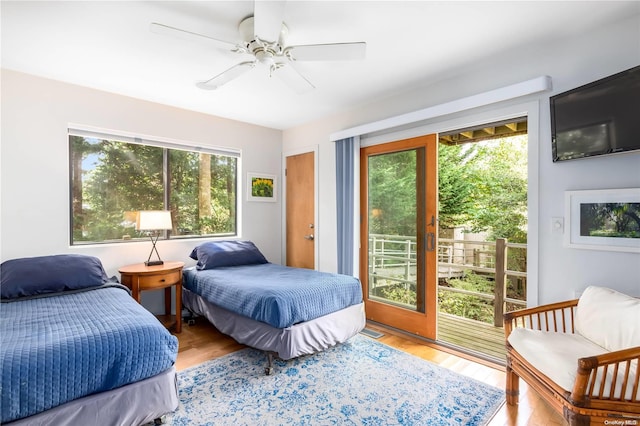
(360, 382)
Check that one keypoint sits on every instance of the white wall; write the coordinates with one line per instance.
(35, 167)
(570, 62)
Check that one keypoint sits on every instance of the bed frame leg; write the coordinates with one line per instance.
(190, 318)
(160, 420)
(269, 368)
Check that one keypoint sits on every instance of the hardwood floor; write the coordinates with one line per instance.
(201, 342)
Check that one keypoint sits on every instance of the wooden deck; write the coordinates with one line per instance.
(470, 334)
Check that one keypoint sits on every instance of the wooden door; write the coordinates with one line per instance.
(398, 258)
(300, 210)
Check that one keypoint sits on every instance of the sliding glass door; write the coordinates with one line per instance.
(398, 230)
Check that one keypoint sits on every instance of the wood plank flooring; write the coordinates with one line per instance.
(202, 342)
(470, 334)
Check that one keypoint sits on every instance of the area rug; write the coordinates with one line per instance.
(360, 382)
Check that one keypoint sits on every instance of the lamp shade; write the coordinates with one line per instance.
(153, 220)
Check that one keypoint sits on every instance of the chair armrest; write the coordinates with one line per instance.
(624, 368)
(556, 317)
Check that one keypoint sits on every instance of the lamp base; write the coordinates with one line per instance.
(154, 263)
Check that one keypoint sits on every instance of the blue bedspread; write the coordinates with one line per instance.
(60, 348)
(274, 294)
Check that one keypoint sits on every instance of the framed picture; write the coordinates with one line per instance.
(607, 219)
(261, 187)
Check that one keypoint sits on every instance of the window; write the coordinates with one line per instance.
(113, 177)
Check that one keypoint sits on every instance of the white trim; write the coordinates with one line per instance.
(539, 84)
(532, 110)
(123, 136)
(283, 192)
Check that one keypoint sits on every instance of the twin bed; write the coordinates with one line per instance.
(286, 312)
(77, 349)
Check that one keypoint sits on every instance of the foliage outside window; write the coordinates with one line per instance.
(483, 186)
(112, 179)
(392, 188)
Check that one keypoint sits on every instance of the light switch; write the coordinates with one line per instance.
(557, 225)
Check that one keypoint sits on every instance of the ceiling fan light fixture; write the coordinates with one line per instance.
(265, 57)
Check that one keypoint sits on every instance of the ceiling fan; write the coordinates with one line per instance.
(264, 42)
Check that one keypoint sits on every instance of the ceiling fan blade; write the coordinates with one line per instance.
(267, 19)
(292, 78)
(226, 76)
(188, 35)
(328, 52)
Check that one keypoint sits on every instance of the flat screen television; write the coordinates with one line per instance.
(599, 118)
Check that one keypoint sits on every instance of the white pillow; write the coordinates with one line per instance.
(608, 318)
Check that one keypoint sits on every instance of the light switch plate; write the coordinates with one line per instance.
(557, 225)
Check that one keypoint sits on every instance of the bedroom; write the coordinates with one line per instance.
(36, 112)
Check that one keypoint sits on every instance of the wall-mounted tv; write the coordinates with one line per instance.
(602, 117)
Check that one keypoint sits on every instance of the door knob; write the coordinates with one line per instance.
(308, 237)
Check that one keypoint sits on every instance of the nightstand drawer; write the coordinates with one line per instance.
(163, 280)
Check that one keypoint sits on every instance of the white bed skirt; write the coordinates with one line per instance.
(133, 404)
(291, 342)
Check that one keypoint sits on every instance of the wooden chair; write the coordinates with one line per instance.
(592, 400)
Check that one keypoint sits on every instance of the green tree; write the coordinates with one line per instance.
(454, 185)
(392, 193)
(127, 177)
(80, 148)
(499, 178)
(483, 186)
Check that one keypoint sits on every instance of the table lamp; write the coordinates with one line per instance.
(153, 221)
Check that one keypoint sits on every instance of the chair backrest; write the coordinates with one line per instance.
(608, 318)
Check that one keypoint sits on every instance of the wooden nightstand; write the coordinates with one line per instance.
(139, 277)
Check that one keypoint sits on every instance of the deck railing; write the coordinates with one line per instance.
(393, 259)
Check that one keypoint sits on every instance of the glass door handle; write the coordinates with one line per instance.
(430, 243)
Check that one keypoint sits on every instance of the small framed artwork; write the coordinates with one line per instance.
(607, 219)
(261, 187)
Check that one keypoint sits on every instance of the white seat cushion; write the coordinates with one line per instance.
(608, 318)
(554, 354)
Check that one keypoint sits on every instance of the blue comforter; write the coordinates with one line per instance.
(59, 348)
(274, 294)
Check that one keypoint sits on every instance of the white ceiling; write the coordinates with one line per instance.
(108, 46)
